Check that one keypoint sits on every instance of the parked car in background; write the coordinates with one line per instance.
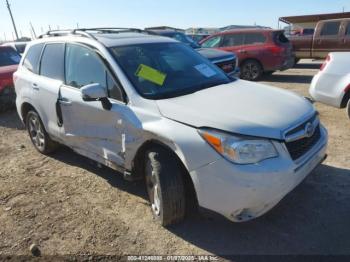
(154, 109)
(198, 37)
(18, 46)
(227, 61)
(331, 85)
(9, 60)
(329, 36)
(258, 50)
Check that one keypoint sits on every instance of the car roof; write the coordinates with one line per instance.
(119, 39)
(108, 39)
(249, 30)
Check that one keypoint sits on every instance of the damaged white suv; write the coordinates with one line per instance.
(153, 108)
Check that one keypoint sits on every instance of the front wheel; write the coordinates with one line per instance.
(251, 70)
(38, 135)
(165, 186)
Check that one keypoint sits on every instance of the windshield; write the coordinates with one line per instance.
(8, 56)
(164, 70)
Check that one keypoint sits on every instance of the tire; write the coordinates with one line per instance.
(268, 73)
(348, 108)
(251, 70)
(38, 135)
(296, 61)
(165, 186)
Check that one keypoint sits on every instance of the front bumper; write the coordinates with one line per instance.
(244, 192)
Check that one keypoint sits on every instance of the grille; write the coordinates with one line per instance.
(300, 147)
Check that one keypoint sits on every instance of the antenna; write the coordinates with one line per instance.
(13, 21)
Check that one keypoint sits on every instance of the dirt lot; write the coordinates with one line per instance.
(67, 205)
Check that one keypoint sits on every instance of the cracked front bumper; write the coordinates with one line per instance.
(244, 192)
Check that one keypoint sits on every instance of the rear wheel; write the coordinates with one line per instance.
(38, 135)
(251, 70)
(165, 186)
(348, 108)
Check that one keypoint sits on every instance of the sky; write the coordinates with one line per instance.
(145, 13)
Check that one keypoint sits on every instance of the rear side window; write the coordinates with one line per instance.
(31, 61)
(256, 38)
(212, 42)
(233, 40)
(52, 61)
(330, 28)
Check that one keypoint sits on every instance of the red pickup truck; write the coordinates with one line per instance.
(329, 36)
(9, 59)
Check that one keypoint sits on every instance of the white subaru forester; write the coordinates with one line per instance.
(153, 108)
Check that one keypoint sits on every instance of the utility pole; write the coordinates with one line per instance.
(13, 21)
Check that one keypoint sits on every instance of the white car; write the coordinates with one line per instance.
(331, 85)
(152, 107)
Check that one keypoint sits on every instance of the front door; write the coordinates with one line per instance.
(88, 127)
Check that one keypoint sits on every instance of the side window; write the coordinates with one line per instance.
(52, 61)
(348, 30)
(83, 67)
(252, 39)
(232, 40)
(330, 28)
(212, 42)
(31, 61)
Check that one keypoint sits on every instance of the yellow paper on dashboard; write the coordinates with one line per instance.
(150, 74)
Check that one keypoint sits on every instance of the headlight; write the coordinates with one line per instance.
(239, 150)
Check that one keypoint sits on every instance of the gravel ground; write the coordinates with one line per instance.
(68, 206)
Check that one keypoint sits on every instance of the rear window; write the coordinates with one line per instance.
(280, 38)
(8, 56)
(254, 38)
(330, 28)
(20, 48)
(52, 61)
(31, 61)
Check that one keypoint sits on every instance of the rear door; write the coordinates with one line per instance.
(47, 86)
(326, 38)
(88, 127)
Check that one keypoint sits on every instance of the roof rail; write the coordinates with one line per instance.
(54, 33)
(110, 30)
(85, 31)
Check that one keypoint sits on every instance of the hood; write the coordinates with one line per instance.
(7, 71)
(215, 55)
(240, 107)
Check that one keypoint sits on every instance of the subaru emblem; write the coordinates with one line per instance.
(309, 129)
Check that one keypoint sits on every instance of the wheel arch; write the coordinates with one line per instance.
(138, 165)
(25, 108)
(345, 99)
(252, 59)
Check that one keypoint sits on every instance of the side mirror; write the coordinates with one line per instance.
(95, 92)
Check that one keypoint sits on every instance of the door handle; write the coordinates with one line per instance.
(35, 86)
(242, 51)
(65, 102)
